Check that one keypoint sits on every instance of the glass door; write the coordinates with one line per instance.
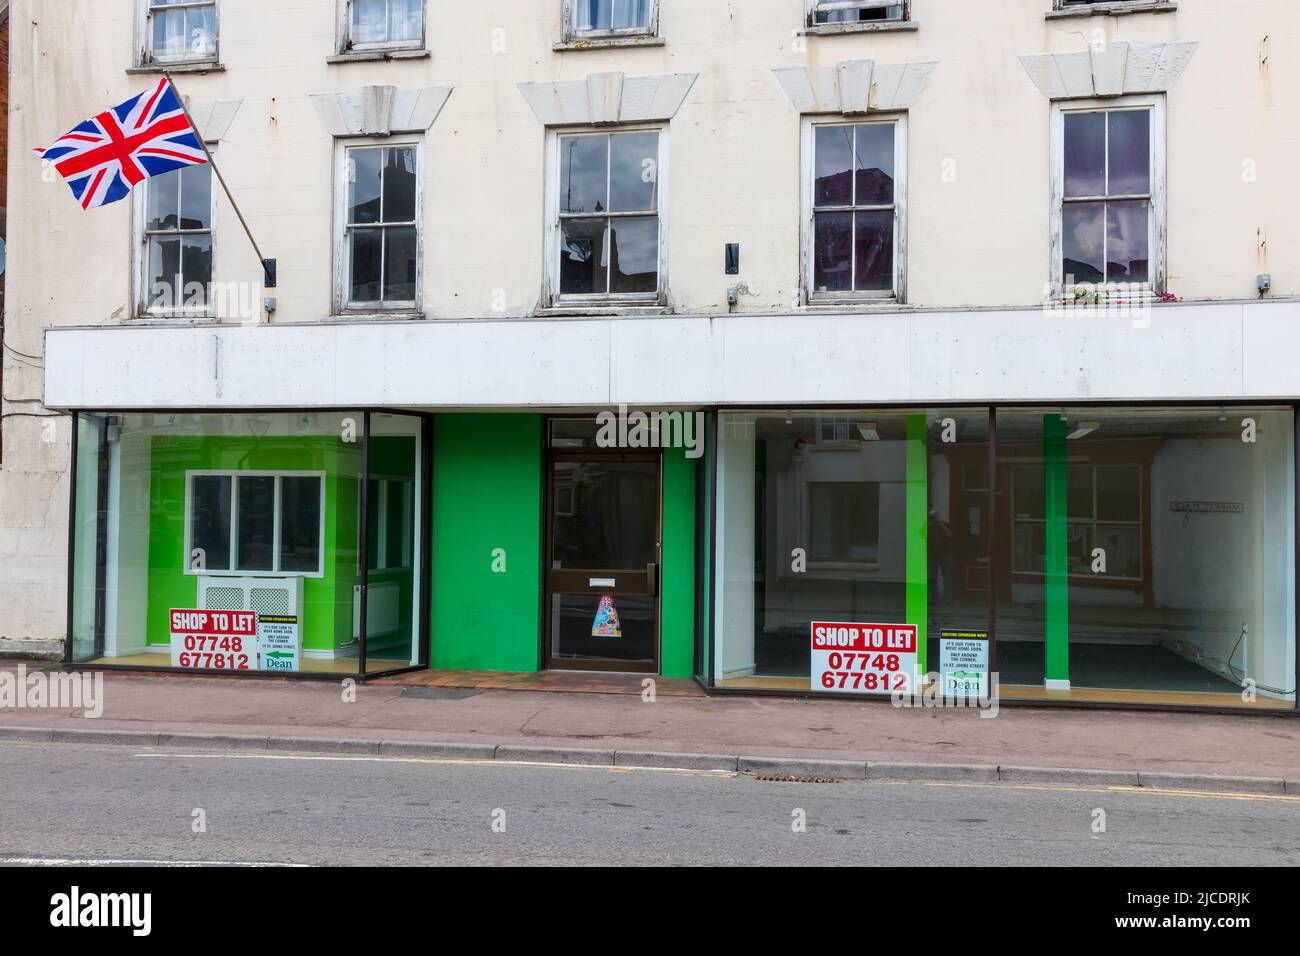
(602, 577)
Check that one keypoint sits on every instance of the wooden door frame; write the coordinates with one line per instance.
(549, 458)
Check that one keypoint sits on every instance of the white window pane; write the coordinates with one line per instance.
(201, 32)
(169, 33)
(633, 172)
(255, 525)
(164, 280)
(404, 20)
(163, 194)
(399, 264)
(300, 524)
(365, 172)
(369, 21)
(210, 521)
(634, 255)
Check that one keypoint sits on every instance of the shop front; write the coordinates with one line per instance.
(1107, 554)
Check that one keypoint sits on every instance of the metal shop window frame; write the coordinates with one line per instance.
(706, 635)
(424, 503)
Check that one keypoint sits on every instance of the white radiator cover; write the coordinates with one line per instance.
(383, 609)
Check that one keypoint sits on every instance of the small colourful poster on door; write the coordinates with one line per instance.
(278, 642)
(214, 640)
(606, 623)
(857, 658)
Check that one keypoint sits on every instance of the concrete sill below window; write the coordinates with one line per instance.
(378, 316)
(601, 311)
(369, 56)
(877, 26)
(1115, 9)
(605, 43)
(158, 69)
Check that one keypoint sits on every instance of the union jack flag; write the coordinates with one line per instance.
(105, 157)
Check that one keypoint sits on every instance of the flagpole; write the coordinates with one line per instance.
(268, 277)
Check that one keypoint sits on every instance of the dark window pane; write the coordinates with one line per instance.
(399, 264)
(833, 183)
(1085, 154)
(1130, 153)
(1030, 546)
(210, 521)
(255, 530)
(395, 520)
(845, 521)
(1078, 548)
(372, 522)
(163, 201)
(892, 12)
(634, 172)
(634, 255)
(1082, 242)
(1028, 493)
(196, 269)
(196, 197)
(833, 252)
(584, 172)
(367, 245)
(164, 272)
(1127, 242)
(1119, 493)
(399, 185)
(300, 513)
(364, 180)
(875, 172)
(875, 250)
(1079, 493)
(582, 257)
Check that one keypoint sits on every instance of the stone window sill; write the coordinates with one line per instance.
(605, 43)
(881, 26)
(598, 311)
(1115, 9)
(158, 69)
(369, 56)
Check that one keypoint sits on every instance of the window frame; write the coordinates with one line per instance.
(140, 234)
(814, 7)
(553, 297)
(572, 34)
(233, 475)
(807, 233)
(342, 251)
(1101, 7)
(347, 46)
(1157, 221)
(1093, 522)
(148, 57)
(382, 487)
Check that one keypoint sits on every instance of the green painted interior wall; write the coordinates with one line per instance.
(327, 611)
(677, 577)
(1056, 571)
(487, 494)
(918, 527)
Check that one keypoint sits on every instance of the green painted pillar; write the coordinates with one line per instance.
(918, 526)
(1056, 565)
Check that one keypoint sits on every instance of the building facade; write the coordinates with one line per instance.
(792, 346)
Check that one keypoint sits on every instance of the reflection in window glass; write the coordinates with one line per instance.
(609, 227)
(854, 212)
(1106, 217)
(382, 231)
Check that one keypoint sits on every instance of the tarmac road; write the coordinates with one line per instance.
(72, 802)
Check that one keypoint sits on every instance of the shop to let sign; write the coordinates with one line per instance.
(214, 640)
(854, 658)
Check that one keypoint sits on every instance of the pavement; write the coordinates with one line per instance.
(250, 809)
(816, 738)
